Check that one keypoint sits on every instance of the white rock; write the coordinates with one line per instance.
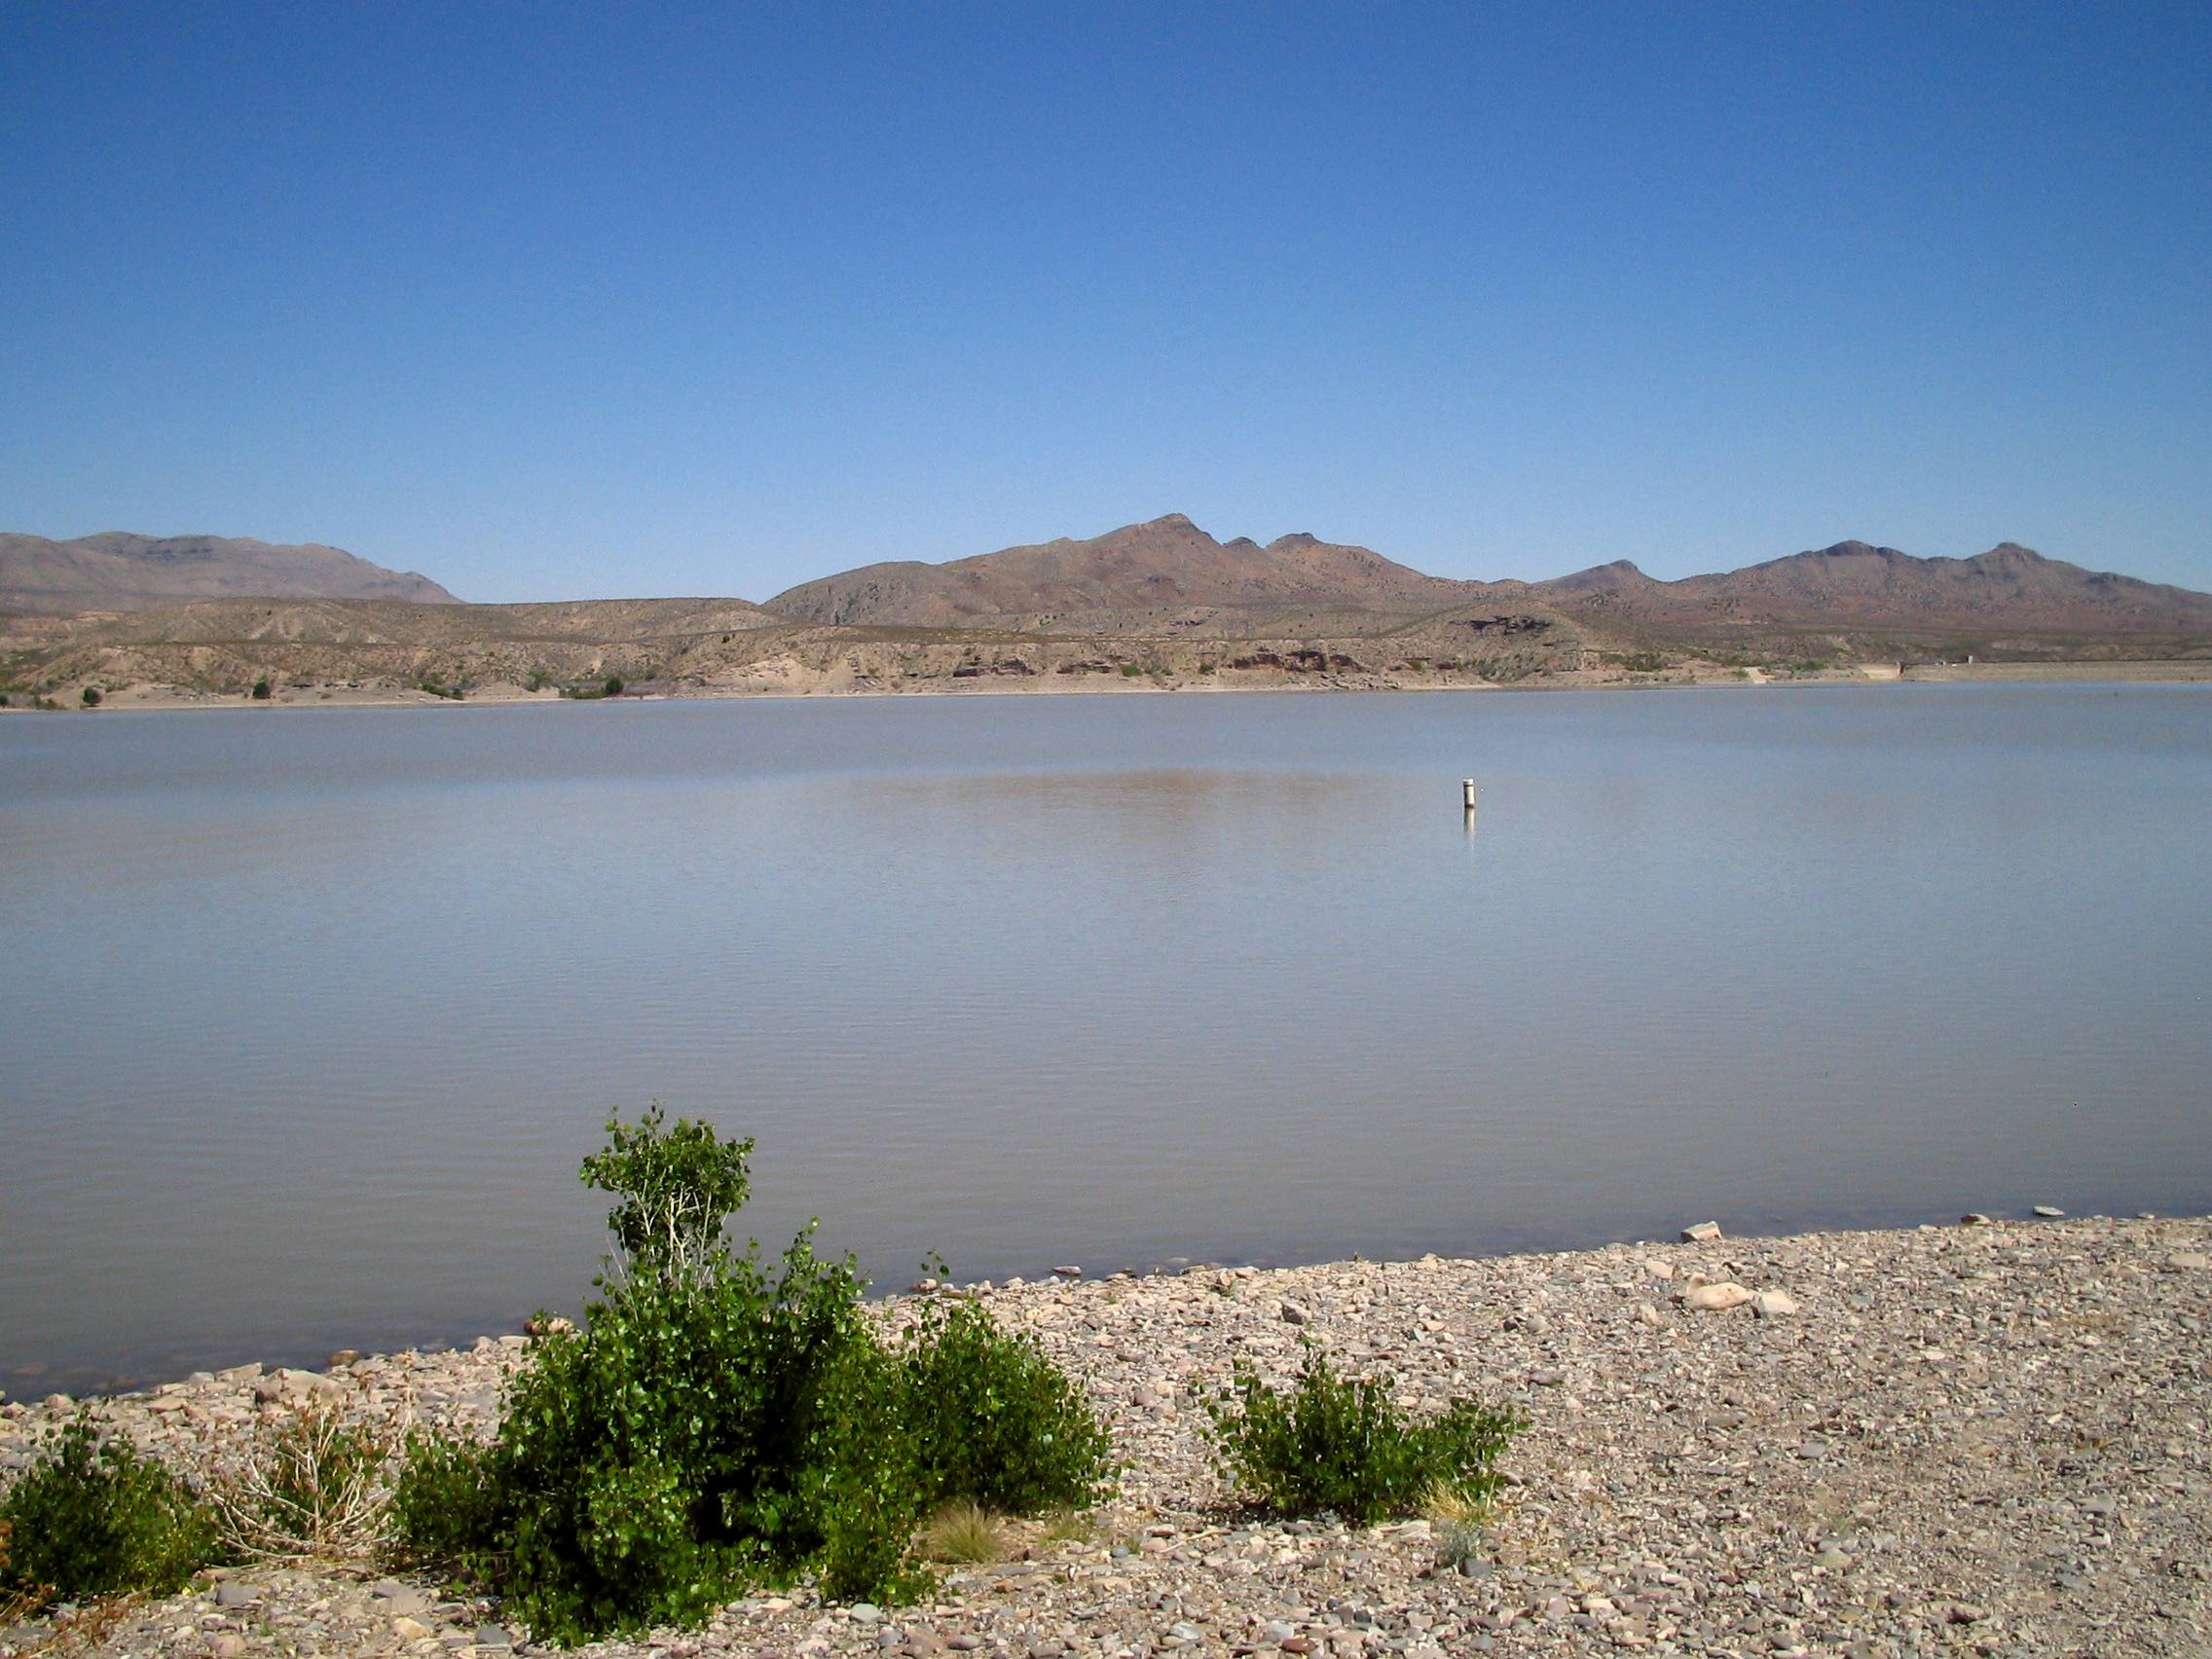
(2188, 1258)
(1704, 1232)
(1767, 1304)
(1714, 1298)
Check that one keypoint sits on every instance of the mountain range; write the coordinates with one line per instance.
(1169, 564)
(117, 570)
(1160, 603)
(1169, 568)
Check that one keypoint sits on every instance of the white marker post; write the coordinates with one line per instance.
(1467, 793)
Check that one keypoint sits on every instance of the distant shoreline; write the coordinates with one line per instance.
(2156, 671)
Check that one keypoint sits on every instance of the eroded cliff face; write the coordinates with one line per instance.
(728, 648)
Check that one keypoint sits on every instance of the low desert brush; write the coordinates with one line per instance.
(1342, 1446)
(315, 1487)
(96, 1517)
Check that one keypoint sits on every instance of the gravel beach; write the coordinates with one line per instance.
(1985, 1438)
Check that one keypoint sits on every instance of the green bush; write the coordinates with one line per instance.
(261, 690)
(1342, 1445)
(719, 1423)
(448, 1507)
(993, 1419)
(96, 1517)
(90, 696)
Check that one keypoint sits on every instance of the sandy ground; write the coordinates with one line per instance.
(1986, 1439)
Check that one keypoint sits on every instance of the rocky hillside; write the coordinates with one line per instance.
(1158, 606)
(119, 572)
(1139, 571)
(1855, 586)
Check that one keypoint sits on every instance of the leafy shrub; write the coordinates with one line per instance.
(1342, 1446)
(721, 1422)
(993, 1419)
(261, 690)
(614, 686)
(96, 1517)
(90, 696)
(447, 1506)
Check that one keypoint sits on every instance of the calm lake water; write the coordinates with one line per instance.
(310, 1016)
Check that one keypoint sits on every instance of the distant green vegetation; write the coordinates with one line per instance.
(610, 687)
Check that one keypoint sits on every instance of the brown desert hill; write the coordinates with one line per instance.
(1853, 586)
(117, 570)
(1166, 564)
(1155, 606)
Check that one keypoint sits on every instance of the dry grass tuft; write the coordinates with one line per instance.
(963, 1531)
(1068, 1524)
(1456, 1520)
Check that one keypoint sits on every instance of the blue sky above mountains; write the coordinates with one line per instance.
(553, 300)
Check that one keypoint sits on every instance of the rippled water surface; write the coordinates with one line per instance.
(310, 1015)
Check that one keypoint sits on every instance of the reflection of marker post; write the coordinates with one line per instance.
(1467, 793)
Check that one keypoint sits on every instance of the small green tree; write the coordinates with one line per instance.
(90, 696)
(677, 1186)
(614, 686)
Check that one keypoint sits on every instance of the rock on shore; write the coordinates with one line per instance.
(1986, 1439)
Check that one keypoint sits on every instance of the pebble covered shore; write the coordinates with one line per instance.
(1984, 1439)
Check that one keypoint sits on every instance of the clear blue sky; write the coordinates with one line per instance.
(567, 301)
